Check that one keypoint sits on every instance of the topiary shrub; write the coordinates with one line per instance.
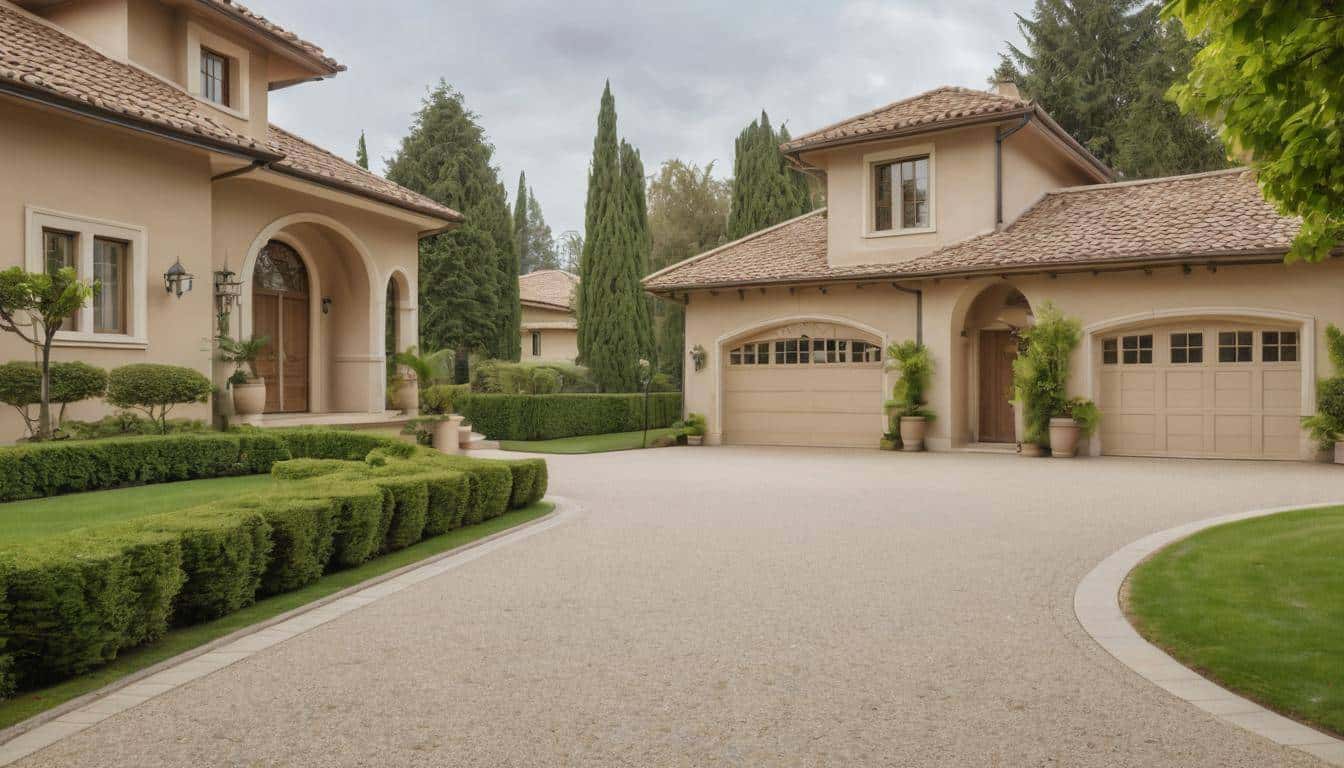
(442, 399)
(126, 423)
(545, 381)
(546, 417)
(21, 387)
(156, 389)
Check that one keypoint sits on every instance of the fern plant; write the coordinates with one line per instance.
(241, 353)
(1041, 376)
(911, 360)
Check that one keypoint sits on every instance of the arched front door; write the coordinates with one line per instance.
(280, 313)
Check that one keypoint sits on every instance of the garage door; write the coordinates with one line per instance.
(820, 388)
(1221, 389)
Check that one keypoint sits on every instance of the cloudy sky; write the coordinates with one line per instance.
(687, 75)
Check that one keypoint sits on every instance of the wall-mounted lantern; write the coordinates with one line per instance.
(228, 290)
(177, 280)
(326, 305)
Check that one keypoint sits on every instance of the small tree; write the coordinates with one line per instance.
(911, 360)
(1327, 424)
(155, 389)
(34, 306)
(21, 387)
(1041, 376)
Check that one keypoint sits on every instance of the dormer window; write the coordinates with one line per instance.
(214, 77)
(901, 195)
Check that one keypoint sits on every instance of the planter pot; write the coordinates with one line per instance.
(912, 432)
(249, 398)
(446, 434)
(406, 397)
(1063, 437)
(695, 439)
(1339, 452)
(1031, 450)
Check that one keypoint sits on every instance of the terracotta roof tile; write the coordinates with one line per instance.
(552, 287)
(1202, 215)
(265, 25)
(306, 159)
(40, 59)
(928, 109)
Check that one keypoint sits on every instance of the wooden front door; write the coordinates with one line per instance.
(998, 349)
(283, 318)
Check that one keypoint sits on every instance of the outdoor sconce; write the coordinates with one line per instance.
(228, 291)
(698, 356)
(326, 305)
(177, 280)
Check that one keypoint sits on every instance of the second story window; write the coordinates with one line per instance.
(214, 77)
(901, 195)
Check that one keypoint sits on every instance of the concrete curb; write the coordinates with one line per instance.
(43, 730)
(1096, 603)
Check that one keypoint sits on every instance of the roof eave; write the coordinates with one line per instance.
(451, 220)
(795, 148)
(324, 66)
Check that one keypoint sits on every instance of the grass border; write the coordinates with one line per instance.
(20, 714)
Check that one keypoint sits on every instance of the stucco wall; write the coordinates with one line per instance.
(556, 343)
(57, 163)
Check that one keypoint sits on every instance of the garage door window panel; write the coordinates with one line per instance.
(1187, 348)
(1236, 346)
(1278, 346)
(1137, 350)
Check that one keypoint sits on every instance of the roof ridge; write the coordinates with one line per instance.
(897, 103)
(1154, 180)
(739, 241)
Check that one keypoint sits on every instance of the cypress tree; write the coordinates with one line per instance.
(362, 153)
(540, 242)
(766, 191)
(520, 234)
(614, 327)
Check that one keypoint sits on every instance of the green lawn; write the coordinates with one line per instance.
(26, 520)
(615, 441)
(29, 703)
(1257, 606)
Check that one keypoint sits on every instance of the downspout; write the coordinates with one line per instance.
(919, 310)
(999, 136)
(256, 165)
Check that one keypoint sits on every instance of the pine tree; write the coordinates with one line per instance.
(362, 153)
(766, 191)
(614, 329)
(468, 280)
(520, 235)
(540, 241)
(1101, 68)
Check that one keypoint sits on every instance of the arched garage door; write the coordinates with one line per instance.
(1219, 389)
(812, 384)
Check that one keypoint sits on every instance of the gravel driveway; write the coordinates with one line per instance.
(736, 606)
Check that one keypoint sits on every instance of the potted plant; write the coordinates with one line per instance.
(249, 389)
(412, 368)
(1040, 385)
(1327, 424)
(911, 360)
(694, 427)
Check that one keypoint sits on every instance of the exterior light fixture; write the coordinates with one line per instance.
(228, 290)
(326, 305)
(177, 280)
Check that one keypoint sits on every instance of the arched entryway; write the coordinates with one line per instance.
(992, 327)
(281, 313)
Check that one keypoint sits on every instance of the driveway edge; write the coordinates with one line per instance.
(1096, 603)
(43, 730)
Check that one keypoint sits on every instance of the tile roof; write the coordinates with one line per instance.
(307, 160)
(1208, 215)
(926, 110)
(38, 59)
(273, 30)
(551, 287)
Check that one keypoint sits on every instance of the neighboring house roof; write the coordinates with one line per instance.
(1195, 217)
(308, 161)
(277, 33)
(935, 110)
(548, 289)
(41, 63)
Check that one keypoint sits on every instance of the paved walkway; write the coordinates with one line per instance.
(726, 606)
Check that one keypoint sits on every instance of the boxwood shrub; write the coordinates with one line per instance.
(71, 602)
(546, 417)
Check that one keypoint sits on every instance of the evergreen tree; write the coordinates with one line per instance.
(362, 153)
(520, 236)
(766, 190)
(570, 250)
(688, 215)
(540, 242)
(468, 279)
(1101, 68)
(614, 330)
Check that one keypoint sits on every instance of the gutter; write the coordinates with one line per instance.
(1000, 136)
(257, 165)
(395, 202)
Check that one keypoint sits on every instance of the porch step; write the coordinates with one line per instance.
(469, 440)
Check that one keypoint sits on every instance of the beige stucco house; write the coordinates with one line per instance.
(550, 331)
(955, 213)
(134, 135)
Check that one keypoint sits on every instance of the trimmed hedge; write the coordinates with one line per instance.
(547, 417)
(50, 469)
(72, 602)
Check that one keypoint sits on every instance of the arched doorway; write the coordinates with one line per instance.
(993, 324)
(280, 312)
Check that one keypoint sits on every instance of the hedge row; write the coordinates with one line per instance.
(546, 417)
(72, 602)
(49, 469)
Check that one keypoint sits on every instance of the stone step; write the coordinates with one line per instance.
(475, 441)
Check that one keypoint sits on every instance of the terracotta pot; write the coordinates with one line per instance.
(406, 396)
(695, 439)
(1030, 450)
(912, 432)
(447, 433)
(1063, 437)
(249, 398)
(1339, 452)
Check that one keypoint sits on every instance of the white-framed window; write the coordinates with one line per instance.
(1236, 346)
(217, 71)
(215, 77)
(899, 191)
(1136, 349)
(1278, 346)
(1187, 348)
(113, 254)
(805, 351)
